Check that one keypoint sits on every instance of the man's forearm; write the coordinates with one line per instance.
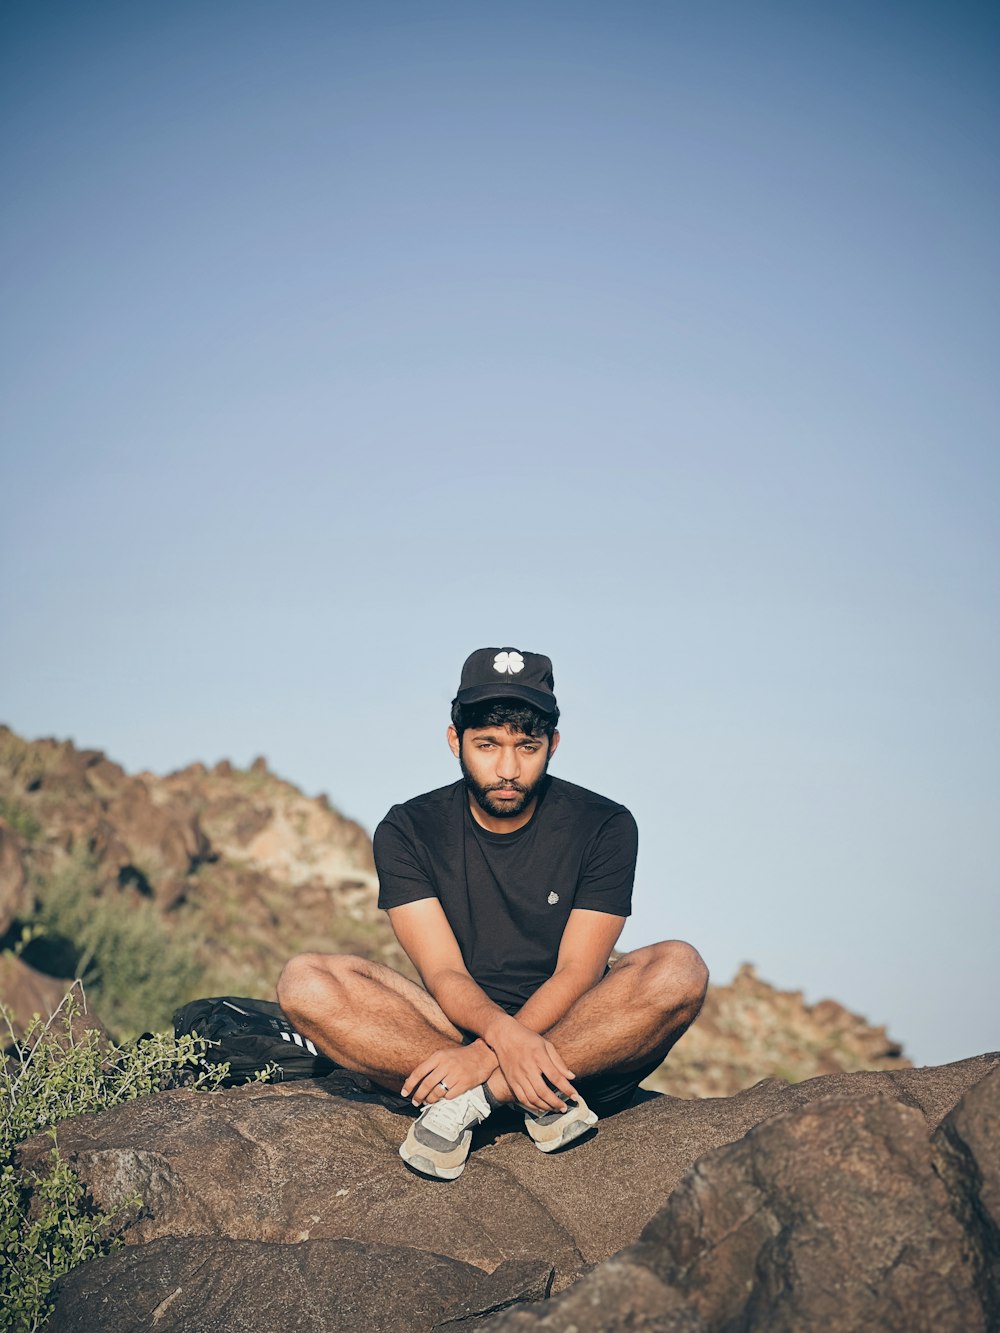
(530, 1070)
(470, 1008)
(555, 997)
(464, 1002)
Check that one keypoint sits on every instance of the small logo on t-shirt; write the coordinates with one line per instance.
(511, 663)
(553, 899)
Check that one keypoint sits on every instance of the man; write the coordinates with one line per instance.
(508, 891)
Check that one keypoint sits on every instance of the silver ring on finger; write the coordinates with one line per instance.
(443, 1084)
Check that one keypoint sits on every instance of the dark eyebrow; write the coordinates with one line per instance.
(496, 740)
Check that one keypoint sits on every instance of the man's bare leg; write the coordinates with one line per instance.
(363, 1015)
(634, 1015)
(370, 1019)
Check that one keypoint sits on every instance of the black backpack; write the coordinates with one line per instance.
(250, 1035)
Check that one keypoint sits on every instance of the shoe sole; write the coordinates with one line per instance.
(419, 1161)
(428, 1168)
(572, 1132)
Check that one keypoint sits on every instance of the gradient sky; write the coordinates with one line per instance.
(340, 339)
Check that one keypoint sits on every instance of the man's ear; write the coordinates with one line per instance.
(453, 741)
(553, 744)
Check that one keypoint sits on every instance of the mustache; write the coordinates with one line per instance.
(507, 786)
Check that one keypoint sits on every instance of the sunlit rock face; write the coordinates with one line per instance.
(849, 1201)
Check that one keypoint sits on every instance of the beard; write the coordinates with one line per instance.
(501, 809)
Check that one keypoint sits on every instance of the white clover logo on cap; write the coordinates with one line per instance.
(510, 663)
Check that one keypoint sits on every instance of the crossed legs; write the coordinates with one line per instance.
(370, 1019)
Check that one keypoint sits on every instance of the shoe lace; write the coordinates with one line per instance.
(451, 1115)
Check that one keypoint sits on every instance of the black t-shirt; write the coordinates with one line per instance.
(508, 896)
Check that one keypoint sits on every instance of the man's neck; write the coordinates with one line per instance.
(493, 824)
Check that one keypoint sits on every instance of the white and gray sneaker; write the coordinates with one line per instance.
(439, 1138)
(554, 1129)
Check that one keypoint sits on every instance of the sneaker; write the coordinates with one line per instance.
(439, 1138)
(554, 1129)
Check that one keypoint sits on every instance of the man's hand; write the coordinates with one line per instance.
(459, 1067)
(526, 1061)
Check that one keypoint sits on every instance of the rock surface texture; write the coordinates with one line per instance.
(849, 1201)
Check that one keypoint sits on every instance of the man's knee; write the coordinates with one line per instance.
(675, 970)
(315, 980)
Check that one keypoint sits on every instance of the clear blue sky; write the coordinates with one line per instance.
(342, 339)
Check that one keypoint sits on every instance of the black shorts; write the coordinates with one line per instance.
(613, 1090)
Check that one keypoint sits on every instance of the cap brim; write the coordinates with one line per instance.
(478, 694)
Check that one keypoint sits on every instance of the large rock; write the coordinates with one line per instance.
(836, 1216)
(198, 1286)
(301, 1163)
(832, 1217)
(26, 994)
(230, 1164)
(968, 1148)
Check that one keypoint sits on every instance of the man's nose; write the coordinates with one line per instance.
(508, 766)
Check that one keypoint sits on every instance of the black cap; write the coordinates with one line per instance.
(507, 673)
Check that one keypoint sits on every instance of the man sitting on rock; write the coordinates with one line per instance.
(507, 890)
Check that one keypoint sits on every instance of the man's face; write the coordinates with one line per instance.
(502, 769)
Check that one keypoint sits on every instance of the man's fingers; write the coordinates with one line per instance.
(537, 1075)
(438, 1083)
(558, 1064)
(416, 1077)
(560, 1076)
(557, 1073)
(422, 1092)
(542, 1096)
(424, 1080)
(538, 1090)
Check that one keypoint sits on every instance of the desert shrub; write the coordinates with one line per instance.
(135, 970)
(21, 820)
(56, 1070)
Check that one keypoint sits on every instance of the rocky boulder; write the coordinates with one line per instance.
(26, 993)
(836, 1216)
(201, 1287)
(967, 1147)
(831, 1186)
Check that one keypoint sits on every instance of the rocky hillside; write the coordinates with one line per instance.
(210, 878)
(228, 871)
(748, 1030)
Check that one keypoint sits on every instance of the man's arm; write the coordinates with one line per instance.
(425, 934)
(524, 1057)
(584, 951)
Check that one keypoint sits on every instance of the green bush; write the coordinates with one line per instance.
(22, 821)
(135, 970)
(56, 1070)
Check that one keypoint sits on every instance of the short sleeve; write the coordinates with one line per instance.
(401, 878)
(609, 870)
